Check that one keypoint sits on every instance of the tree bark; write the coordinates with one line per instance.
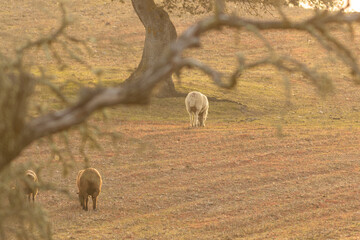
(295, 2)
(160, 31)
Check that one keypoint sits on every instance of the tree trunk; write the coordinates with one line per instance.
(160, 31)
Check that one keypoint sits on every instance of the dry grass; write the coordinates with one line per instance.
(238, 181)
(234, 179)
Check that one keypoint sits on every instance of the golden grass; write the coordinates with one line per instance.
(261, 92)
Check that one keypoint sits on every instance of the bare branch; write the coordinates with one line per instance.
(139, 91)
(44, 40)
(215, 75)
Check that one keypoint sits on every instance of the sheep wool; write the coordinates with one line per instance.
(197, 105)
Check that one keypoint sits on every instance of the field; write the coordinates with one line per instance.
(262, 168)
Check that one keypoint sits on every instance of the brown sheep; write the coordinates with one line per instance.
(30, 185)
(89, 184)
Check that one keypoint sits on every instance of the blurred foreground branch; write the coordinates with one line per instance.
(172, 61)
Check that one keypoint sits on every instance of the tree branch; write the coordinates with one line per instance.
(139, 91)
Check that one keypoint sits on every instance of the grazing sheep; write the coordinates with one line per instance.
(197, 106)
(89, 184)
(29, 185)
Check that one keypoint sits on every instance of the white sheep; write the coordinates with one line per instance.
(197, 106)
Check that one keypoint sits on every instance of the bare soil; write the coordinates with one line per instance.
(224, 181)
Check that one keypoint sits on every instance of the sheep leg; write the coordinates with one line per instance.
(196, 120)
(94, 199)
(201, 119)
(33, 197)
(205, 116)
(86, 203)
(29, 197)
(81, 200)
(191, 119)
